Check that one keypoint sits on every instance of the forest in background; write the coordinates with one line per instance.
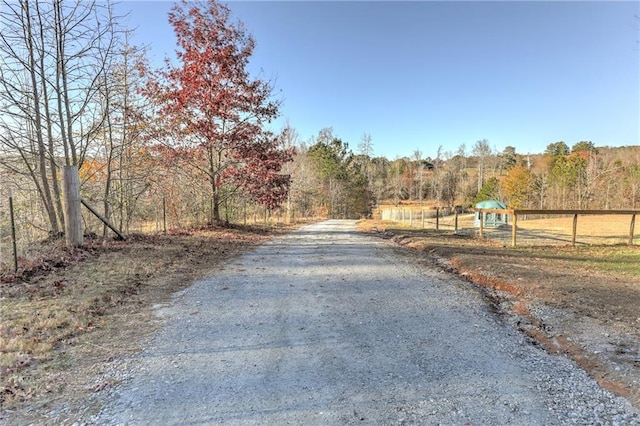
(189, 144)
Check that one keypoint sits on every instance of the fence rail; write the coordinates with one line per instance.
(514, 213)
(476, 223)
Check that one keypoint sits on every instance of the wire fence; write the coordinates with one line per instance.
(23, 226)
(433, 218)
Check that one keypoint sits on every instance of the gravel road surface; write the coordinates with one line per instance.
(327, 326)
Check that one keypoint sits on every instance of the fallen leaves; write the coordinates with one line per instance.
(101, 288)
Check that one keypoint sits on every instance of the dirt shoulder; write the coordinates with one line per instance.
(67, 314)
(582, 301)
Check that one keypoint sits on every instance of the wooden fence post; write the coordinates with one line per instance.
(73, 219)
(422, 215)
(575, 228)
(631, 228)
(514, 227)
(481, 224)
(437, 218)
(455, 222)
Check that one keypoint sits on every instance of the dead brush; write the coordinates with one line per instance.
(62, 302)
(15, 388)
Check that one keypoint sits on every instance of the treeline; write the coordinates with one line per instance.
(340, 183)
(190, 142)
(582, 176)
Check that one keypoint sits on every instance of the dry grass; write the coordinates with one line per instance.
(549, 230)
(591, 230)
(66, 310)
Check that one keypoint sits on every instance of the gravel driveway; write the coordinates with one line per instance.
(327, 326)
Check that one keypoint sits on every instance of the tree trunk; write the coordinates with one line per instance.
(63, 92)
(59, 64)
(37, 131)
(216, 204)
(53, 167)
(109, 177)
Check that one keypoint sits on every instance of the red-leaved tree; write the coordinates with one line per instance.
(210, 102)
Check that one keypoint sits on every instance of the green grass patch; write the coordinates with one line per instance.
(618, 259)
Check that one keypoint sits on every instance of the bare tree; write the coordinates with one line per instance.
(419, 170)
(53, 54)
(482, 151)
(289, 140)
(23, 135)
(365, 148)
(124, 151)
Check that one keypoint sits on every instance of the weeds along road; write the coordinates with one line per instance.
(327, 326)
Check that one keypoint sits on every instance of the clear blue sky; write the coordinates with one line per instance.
(417, 75)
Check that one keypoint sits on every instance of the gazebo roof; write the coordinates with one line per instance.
(491, 204)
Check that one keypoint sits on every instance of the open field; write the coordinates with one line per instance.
(549, 230)
(554, 230)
